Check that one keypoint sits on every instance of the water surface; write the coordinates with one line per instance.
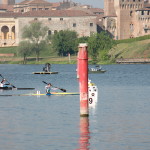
(119, 121)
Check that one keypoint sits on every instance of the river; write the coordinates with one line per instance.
(118, 121)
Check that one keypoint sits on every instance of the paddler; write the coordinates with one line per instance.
(49, 87)
(3, 83)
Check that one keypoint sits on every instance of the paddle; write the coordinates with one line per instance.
(8, 82)
(64, 90)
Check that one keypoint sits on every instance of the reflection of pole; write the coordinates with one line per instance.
(83, 78)
(84, 133)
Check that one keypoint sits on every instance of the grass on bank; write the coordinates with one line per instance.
(136, 49)
(129, 48)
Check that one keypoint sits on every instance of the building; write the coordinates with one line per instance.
(32, 5)
(125, 19)
(12, 24)
(8, 2)
(14, 17)
(122, 19)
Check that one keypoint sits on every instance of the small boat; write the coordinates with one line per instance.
(98, 69)
(11, 88)
(46, 70)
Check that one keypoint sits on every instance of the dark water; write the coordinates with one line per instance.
(119, 121)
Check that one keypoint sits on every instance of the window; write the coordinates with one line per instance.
(131, 27)
(49, 19)
(131, 13)
(74, 25)
(33, 9)
(46, 8)
(49, 32)
(91, 24)
(35, 18)
(142, 13)
(61, 19)
(55, 31)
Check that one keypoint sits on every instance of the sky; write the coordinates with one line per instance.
(93, 3)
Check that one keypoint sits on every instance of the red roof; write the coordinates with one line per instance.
(47, 13)
(34, 2)
(56, 13)
(9, 15)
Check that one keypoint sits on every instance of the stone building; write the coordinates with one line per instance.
(32, 5)
(12, 24)
(127, 18)
(8, 2)
(122, 19)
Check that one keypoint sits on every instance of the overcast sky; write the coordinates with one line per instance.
(94, 3)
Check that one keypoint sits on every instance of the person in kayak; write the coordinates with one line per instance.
(49, 87)
(3, 83)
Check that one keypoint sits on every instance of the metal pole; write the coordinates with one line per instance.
(83, 79)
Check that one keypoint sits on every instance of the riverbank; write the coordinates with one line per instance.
(42, 60)
(136, 50)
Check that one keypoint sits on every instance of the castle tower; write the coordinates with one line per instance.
(119, 18)
(8, 2)
(109, 8)
(125, 19)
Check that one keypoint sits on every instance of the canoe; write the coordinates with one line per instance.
(36, 94)
(45, 72)
(11, 88)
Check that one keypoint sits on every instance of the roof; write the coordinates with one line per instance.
(55, 4)
(56, 13)
(27, 2)
(23, 2)
(143, 9)
(9, 15)
(147, 5)
(6, 7)
(47, 13)
(96, 10)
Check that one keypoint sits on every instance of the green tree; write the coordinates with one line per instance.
(24, 49)
(64, 42)
(36, 34)
(98, 43)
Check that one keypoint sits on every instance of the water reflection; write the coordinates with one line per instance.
(84, 134)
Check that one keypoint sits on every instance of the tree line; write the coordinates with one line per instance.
(35, 39)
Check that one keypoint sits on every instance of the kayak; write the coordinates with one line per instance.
(45, 72)
(11, 88)
(38, 94)
(53, 93)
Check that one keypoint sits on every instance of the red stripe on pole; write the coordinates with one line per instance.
(83, 78)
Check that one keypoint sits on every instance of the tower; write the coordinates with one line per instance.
(109, 7)
(119, 18)
(8, 2)
(126, 23)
